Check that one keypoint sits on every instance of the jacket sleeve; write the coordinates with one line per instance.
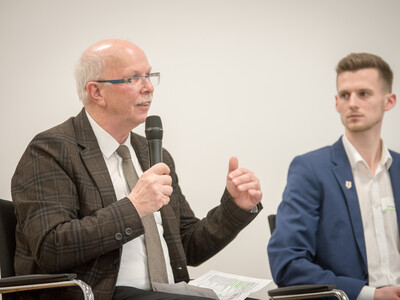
(293, 247)
(61, 219)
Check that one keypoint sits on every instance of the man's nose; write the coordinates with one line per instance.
(353, 100)
(147, 85)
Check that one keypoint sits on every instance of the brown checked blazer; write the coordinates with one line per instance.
(69, 219)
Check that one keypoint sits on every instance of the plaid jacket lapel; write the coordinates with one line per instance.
(93, 158)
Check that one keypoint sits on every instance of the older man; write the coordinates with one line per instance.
(79, 212)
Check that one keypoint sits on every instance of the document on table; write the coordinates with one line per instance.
(229, 286)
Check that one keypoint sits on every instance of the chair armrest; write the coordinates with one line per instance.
(307, 291)
(43, 281)
(35, 279)
(300, 289)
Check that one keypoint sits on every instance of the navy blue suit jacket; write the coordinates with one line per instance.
(319, 237)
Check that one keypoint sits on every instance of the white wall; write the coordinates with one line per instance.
(248, 78)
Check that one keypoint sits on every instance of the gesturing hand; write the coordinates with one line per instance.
(243, 185)
(152, 190)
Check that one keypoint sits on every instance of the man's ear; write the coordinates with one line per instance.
(336, 103)
(390, 101)
(94, 91)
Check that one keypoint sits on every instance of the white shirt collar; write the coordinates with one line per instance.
(108, 145)
(355, 157)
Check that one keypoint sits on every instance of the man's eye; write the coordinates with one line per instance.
(344, 95)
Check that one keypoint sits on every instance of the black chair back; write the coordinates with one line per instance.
(8, 223)
(26, 283)
(272, 222)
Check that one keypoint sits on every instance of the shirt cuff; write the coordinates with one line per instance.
(254, 210)
(366, 293)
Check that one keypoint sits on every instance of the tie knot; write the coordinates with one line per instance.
(123, 151)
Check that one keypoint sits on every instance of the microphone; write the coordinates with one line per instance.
(154, 135)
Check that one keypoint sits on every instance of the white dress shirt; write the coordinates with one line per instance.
(378, 211)
(133, 267)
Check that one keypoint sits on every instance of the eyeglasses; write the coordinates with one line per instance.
(136, 80)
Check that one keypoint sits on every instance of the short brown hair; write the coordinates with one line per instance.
(357, 61)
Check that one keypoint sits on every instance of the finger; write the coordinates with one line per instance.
(253, 185)
(241, 176)
(160, 169)
(256, 194)
(165, 180)
(167, 190)
(165, 200)
(233, 164)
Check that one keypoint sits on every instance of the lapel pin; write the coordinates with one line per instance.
(348, 184)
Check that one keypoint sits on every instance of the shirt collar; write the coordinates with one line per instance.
(386, 159)
(108, 145)
(355, 157)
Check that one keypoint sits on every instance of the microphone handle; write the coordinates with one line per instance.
(155, 151)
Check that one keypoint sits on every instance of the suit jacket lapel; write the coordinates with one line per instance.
(344, 176)
(394, 172)
(93, 158)
(139, 144)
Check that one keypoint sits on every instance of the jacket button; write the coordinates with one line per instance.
(128, 231)
(118, 236)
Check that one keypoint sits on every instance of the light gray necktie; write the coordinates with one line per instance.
(155, 255)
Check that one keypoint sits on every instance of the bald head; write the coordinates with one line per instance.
(113, 49)
(99, 61)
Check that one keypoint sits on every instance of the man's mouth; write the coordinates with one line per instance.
(354, 116)
(144, 103)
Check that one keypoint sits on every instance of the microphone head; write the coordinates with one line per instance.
(153, 128)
